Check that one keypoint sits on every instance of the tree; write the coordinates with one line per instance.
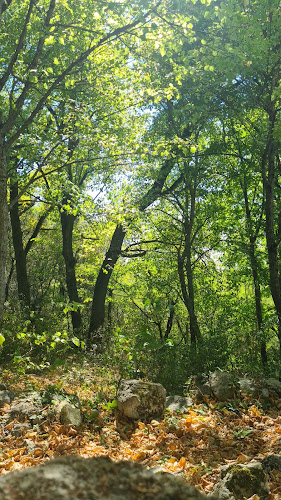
(38, 60)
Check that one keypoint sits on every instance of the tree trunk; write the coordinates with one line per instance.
(20, 255)
(268, 174)
(258, 303)
(170, 319)
(3, 227)
(188, 298)
(254, 267)
(67, 224)
(195, 333)
(98, 304)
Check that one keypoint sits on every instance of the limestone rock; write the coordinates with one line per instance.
(20, 429)
(248, 386)
(96, 478)
(238, 481)
(141, 400)
(273, 384)
(6, 397)
(70, 415)
(27, 408)
(221, 385)
(271, 462)
(178, 403)
(199, 388)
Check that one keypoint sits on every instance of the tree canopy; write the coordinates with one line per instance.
(140, 183)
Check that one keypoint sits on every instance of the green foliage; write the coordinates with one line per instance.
(177, 112)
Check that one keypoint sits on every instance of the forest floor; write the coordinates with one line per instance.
(194, 444)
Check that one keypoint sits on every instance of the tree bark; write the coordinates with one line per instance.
(254, 268)
(188, 298)
(100, 290)
(268, 175)
(98, 304)
(20, 255)
(3, 227)
(258, 302)
(67, 224)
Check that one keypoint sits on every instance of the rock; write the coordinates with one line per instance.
(27, 408)
(221, 385)
(30, 446)
(20, 429)
(70, 415)
(238, 481)
(248, 387)
(96, 478)
(6, 397)
(273, 384)
(271, 462)
(141, 400)
(178, 403)
(3, 387)
(199, 388)
(265, 393)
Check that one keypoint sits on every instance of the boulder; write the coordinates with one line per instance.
(271, 462)
(221, 385)
(239, 481)
(273, 384)
(140, 400)
(27, 408)
(199, 388)
(96, 478)
(70, 415)
(248, 386)
(20, 429)
(6, 397)
(178, 403)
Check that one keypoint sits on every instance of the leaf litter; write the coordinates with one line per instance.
(193, 445)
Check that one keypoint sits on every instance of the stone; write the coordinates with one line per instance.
(221, 385)
(6, 397)
(140, 400)
(271, 462)
(248, 387)
(265, 393)
(97, 478)
(239, 481)
(20, 429)
(27, 408)
(199, 388)
(70, 415)
(273, 384)
(178, 403)
(30, 446)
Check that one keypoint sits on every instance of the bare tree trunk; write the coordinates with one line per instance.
(98, 304)
(67, 224)
(3, 227)
(272, 241)
(254, 268)
(188, 298)
(20, 255)
(112, 255)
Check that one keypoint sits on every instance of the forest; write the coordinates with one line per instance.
(140, 214)
(140, 240)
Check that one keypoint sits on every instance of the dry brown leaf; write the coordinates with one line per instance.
(243, 458)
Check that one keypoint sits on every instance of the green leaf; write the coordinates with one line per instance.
(75, 341)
